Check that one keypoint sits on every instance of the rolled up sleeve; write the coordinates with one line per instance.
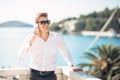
(24, 50)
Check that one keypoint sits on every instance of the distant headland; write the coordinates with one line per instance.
(15, 23)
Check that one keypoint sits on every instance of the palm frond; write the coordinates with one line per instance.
(106, 61)
(116, 77)
(86, 65)
(90, 56)
(101, 52)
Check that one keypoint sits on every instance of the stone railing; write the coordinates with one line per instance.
(63, 73)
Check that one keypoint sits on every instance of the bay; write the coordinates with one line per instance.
(11, 39)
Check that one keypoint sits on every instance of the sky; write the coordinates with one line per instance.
(26, 10)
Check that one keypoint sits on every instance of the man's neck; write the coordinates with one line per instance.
(44, 35)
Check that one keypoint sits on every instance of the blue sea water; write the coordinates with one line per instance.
(11, 39)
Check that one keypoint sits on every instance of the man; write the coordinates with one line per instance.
(43, 45)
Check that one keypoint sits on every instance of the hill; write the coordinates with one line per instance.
(15, 24)
(91, 22)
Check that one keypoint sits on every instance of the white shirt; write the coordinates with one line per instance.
(44, 53)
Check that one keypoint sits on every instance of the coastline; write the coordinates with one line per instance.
(97, 33)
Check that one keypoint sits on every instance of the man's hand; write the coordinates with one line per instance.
(35, 33)
(31, 40)
(75, 68)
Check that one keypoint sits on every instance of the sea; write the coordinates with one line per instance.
(11, 39)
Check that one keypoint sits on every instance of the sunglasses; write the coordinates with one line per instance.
(44, 22)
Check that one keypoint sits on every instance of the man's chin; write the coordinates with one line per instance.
(46, 30)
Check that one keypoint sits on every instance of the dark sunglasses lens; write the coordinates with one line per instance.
(48, 21)
(45, 22)
(42, 22)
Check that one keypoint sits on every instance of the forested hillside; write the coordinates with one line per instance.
(91, 22)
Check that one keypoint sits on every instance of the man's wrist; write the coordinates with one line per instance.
(71, 65)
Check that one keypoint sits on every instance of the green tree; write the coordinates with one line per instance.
(92, 15)
(55, 27)
(105, 62)
(80, 25)
(91, 25)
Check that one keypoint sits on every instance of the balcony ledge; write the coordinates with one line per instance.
(63, 73)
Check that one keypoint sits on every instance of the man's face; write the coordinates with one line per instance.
(43, 24)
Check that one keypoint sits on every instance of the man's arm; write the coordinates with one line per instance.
(67, 55)
(26, 46)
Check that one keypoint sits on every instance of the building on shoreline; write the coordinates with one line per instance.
(97, 33)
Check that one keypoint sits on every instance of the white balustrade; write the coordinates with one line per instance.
(63, 73)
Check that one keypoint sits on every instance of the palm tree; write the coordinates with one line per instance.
(105, 62)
